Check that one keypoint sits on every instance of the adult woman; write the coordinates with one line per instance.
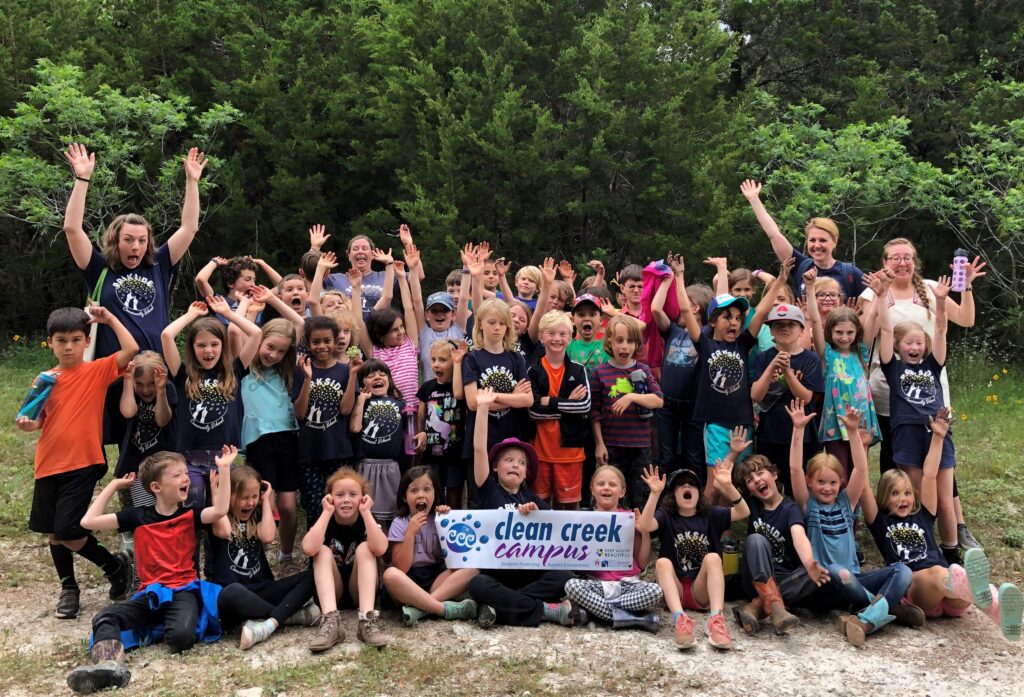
(361, 253)
(822, 237)
(911, 300)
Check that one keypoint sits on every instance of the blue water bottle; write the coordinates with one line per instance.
(639, 380)
(37, 396)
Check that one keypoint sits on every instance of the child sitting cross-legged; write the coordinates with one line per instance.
(173, 603)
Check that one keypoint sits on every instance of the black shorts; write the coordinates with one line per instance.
(424, 576)
(275, 456)
(59, 502)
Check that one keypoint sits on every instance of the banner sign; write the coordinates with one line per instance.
(503, 539)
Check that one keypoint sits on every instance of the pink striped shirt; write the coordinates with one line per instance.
(403, 361)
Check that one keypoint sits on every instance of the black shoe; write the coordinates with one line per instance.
(121, 578)
(952, 555)
(486, 617)
(67, 604)
(101, 676)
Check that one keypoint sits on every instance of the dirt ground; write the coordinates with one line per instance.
(947, 657)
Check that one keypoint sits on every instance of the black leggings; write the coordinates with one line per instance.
(278, 599)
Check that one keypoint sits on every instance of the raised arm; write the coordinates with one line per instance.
(547, 282)
(465, 291)
(204, 274)
(267, 529)
(262, 294)
(129, 347)
(128, 407)
(179, 242)
(162, 411)
(768, 297)
(301, 402)
(721, 280)
(685, 305)
(941, 290)
(963, 314)
(939, 426)
(171, 331)
(502, 267)
(82, 163)
(658, 304)
(355, 281)
(481, 463)
(782, 247)
(388, 289)
(599, 273)
(313, 540)
(458, 353)
(859, 470)
(355, 421)
(414, 262)
(222, 493)
(883, 320)
(798, 479)
(272, 275)
(252, 333)
(348, 398)
(95, 518)
(727, 490)
(655, 481)
(407, 304)
(327, 262)
(813, 316)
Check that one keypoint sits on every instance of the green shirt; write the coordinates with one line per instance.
(590, 353)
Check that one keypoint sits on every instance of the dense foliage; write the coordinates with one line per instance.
(545, 126)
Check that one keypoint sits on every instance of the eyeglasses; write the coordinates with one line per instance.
(905, 259)
(826, 296)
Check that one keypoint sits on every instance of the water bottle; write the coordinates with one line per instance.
(639, 380)
(960, 262)
(730, 556)
(37, 395)
(410, 433)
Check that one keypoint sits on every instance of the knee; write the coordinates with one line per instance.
(180, 639)
(712, 561)
(839, 574)
(902, 574)
(663, 565)
(758, 542)
(391, 575)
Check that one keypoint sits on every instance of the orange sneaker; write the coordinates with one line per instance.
(684, 631)
(718, 635)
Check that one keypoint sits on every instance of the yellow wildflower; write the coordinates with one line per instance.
(1005, 371)
(995, 377)
(42, 344)
(17, 337)
(988, 398)
(963, 417)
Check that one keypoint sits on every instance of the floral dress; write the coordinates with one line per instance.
(846, 385)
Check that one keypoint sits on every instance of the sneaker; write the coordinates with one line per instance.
(329, 633)
(290, 567)
(121, 578)
(977, 568)
(718, 634)
(369, 631)
(684, 631)
(964, 537)
(99, 676)
(67, 604)
(1011, 606)
(412, 615)
(306, 616)
(486, 617)
(463, 610)
(957, 582)
(951, 555)
(255, 631)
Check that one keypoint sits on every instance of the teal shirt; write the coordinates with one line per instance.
(268, 407)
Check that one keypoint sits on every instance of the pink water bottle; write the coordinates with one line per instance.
(960, 262)
(410, 432)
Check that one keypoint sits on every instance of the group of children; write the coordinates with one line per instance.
(374, 420)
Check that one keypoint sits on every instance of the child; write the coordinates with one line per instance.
(344, 544)
(417, 577)
(208, 379)
(377, 419)
(723, 347)
(784, 372)
(440, 421)
(912, 362)
(631, 282)
(269, 427)
(318, 397)
(443, 321)
(503, 474)
(147, 401)
(240, 565)
(173, 603)
(561, 402)
(624, 393)
(69, 456)
(903, 523)
(527, 285)
(689, 566)
(238, 275)
(778, 567)
(618, 597)
(843, 348)
(586, 348)
(828, 511)
(828, 295)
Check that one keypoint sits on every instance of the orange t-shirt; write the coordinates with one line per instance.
(72, 434)
(548, 442)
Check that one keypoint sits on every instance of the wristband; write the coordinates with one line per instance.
(465, 270)
(213, 260)
(757, 271)
(968, 289)
(737, 502)
(82, 179)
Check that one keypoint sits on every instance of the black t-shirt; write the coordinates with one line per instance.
(501, 372)
(686, 540)
(165, 545)
(381, 437)
(144, 437)
(723, 380)
(445, 420)
(775, 526)
(210, 420)
(343, 540)
(679, 367)
(914, 390)
(909, 540)
(493, 496)
(239, 559)
(775, 426)
(323, 434)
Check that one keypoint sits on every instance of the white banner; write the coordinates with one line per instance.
(503, 539)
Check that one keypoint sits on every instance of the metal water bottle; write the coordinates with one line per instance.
(960, 262)
(410, 432)
(639, 380)
(730, 556)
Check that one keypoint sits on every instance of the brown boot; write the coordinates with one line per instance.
(771, 601)
(749, 616)
(908, 615)
(108, 669)
(329, 633)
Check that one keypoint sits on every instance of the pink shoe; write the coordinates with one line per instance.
(959, 584)
(993, 610)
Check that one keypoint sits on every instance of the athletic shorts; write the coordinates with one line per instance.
(716, 443)
(685, 586)
(274, 456)
(59, 502)
(565, 477)
(424, 576)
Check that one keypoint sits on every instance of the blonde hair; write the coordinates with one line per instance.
(345, 318)
(566, 293)
(824, 461)
(826, 282)
(633, 332)
(826, 224)
(346, 303)
(113, 232)
(442, 346)
(241, 475)
(146, 361)
(904, 328)
(504, 314)
(888, 482)
(919, 285)
(153, 467)
(286, 366)
(530, 272)
(609, 468)
(553, 319)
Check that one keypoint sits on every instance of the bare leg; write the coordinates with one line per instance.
(364, 590)
(665, 574)
(329, 584)
(947, 511)
(709, 586)
(404, 590)
(451, 583)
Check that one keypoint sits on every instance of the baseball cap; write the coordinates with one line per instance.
(440, 298)
(726, 300)
(683, 476)
(586, 298)
(531, 456)
(786, 312)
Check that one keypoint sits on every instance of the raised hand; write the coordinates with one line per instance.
(159, 378)
(597, 266)
(797, 415)
(194, 164)
(365, 504)
(472, 261)
(547, 271)
(412, 256)
(99, 315)
(974, 269)
(218, 304)
(459, 352)
(676, 263)
(502, 266)
(307, 367)
(851, 419)
(485, 398)
(327, 504)
(125, 482)
(328, 261)
(404, 235)
(261, 294)
(484, 251)
(566, 272)
(400, 267)
(941, 288)
(654, 479)
(723, 475)
(810, 276)
(318, 237)
(197, 309)
(939, 424)
(750, 189)
(129, 372)
(382, 256)
(228, 453)
(786, 268)
(81, 160)
(266, 490)
(738, 440)
(355, 278)
(719, 263)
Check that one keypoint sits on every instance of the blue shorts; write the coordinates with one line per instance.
(910, 443)
(716, 443)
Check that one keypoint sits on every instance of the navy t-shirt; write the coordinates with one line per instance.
(679, 367)
(370, 292)
(381, 437)
(143, 437)
(210, 420)
(775, 426)
(687, 540)
(501, 372)
(915, 392)
(775, 526)
(493, 495)
(723, 380)
(140, 298)
(909, 540)
(239, 559)
(445, 421)
(848, 276)
(343, 540)
(323, 434)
